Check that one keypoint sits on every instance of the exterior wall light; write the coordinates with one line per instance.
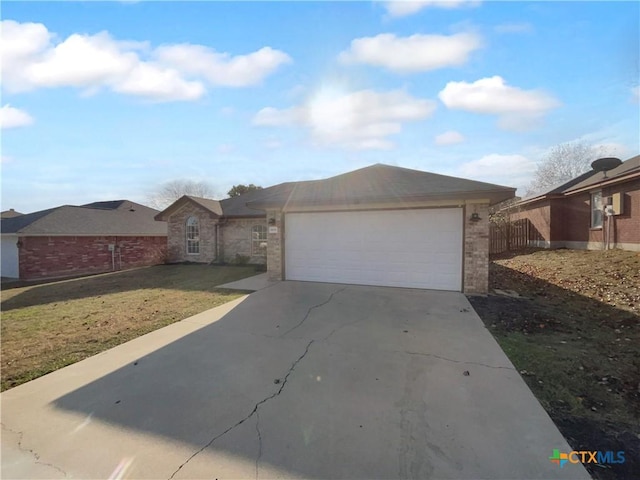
(475, 217)
(272, 221)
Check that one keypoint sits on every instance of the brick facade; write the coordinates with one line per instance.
(46, 257)
(177, 240)
(234, 237)
(476, 250)
(566, 221)
(275, 241)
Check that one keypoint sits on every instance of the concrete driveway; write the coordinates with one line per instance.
(296, 380)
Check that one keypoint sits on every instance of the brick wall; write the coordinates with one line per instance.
(476, 250)
(274, 246)
(566, 221)
(43, 257)
(236, 239)
(177, 240)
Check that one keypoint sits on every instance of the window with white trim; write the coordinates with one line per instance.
(193, 236)
(596, 210)
(259, 240)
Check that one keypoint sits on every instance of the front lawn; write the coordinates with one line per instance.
(46, 327)
(569, 320)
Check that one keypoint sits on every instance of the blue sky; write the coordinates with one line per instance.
(107, 101)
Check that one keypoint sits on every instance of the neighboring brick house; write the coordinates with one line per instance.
(572, 215)
(379, 225)
(76, 240)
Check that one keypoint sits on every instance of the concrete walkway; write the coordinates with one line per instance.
(250, 284)
(299, 380)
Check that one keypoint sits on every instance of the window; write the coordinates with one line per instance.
(193, 236)
(596, 210)
(259, 240)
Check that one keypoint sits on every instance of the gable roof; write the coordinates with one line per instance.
(119, 217)
(382, 183)
(209, 204)
(628, 169)
(229, 207)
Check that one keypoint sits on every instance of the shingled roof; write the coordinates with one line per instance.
(118, 217)
(381, 183)
(229, 207)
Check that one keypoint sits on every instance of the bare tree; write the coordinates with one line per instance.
(562, 163)
(169, 192)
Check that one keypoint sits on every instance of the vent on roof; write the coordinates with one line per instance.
(605, 164)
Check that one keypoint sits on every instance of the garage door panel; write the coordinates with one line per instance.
(404, 248)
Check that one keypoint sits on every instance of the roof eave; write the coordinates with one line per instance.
(606, 182)
(494, 196)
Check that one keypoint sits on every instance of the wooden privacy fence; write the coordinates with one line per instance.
(508, 236)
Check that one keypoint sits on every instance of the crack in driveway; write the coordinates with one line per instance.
(251, 414)
(32, 452)
(259, 442)
(457, 361)
(311, 309)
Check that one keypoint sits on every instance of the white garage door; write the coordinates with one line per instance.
(399, 248)
(9, 256)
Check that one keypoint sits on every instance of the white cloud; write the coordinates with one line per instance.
(11, 117)
(509, 170)
(159, 84)
(514, 28)
(32, 59)
(450, 137)
(416, 53)
(80, 61)
(360, 120)
(516, 109)
(402, 8)
(221, 68)
(635, 91)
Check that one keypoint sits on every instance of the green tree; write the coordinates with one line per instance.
(238, 190)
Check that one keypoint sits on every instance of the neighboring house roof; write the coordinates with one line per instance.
(10, 213)
(622, 172)
(589, 180)
(119, 217)
(382, 184)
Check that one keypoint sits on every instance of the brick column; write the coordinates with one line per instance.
(476, 250)
(274, 245)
